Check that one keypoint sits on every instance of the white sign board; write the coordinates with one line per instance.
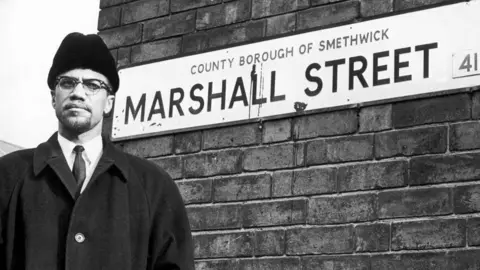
(409, 54)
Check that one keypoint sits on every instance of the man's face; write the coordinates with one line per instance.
(77, 109)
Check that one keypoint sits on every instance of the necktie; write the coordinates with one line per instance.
(79, 170)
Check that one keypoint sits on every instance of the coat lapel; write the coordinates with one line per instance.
(50, 153)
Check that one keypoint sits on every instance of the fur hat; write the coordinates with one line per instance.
(84, 51)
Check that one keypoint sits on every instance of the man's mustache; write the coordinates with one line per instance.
(75, 105)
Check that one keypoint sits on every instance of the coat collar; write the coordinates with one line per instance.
(50, 152)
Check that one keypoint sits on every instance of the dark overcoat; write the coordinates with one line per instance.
(130, 215)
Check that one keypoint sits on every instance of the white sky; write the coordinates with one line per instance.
(30, 33)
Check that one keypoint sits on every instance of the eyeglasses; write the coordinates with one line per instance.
(91, 86)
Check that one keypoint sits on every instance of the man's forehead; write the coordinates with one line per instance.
(85, 74)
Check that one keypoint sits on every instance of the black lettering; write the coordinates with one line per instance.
(398, 65)
(384, 33)
(255, 100)
(357, 72)
(322, 45)
(274, 98)
(176, 102)
(334, 64)
(157, 100)
(140, 106)
(243, 97)
(426, 56)
(377, 68)
(310, 78)
(212, 96)
(330, 44)
(198, 99)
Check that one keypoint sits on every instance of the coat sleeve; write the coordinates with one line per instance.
(171, 238)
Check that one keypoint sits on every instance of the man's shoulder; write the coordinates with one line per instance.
(12, 167)
(17, 159)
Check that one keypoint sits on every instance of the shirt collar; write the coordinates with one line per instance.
(93, 148)
(50, 151)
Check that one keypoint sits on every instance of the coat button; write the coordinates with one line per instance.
(79, 237)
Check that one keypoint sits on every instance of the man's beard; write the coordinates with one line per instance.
(74, 124)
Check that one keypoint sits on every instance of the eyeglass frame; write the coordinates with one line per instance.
(88, 91)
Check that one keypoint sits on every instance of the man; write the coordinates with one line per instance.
(78, 202)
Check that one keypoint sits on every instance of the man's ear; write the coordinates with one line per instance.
(109, 105)
(52, 93)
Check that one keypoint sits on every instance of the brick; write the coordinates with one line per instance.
(466, 199)
(151, 147)
(328, 15)
(320, 240)
(109, 17)
(122, 36)
(156, 50)
(107, 3)
(372, 237)
(282, 184)
(176, 24)
(473, 231)
(114, 54)
(215, 264)
(277, 131)
(265, 8)
(124, 56)
(285, 263)
(476, 105)
(231, 136)
(341, 209)
(179, 5)
(195, 191)
(465, 136)
(418, 141)
(464, 260)
(336, 262)
(323, 2)
(187, 142)
(269, 242)
(274, 213)
(281, 24)
(425, 111)
(428, 234)
(208, 164)
(172, 165)
(326, 124)
(239, 188)
(412, 261)
(409, 4)
(225, 14)
(370, 8)
(442, 169)
(230, 35)
(144, 9)
(223, 245)
(314, 181)
(215, 217)
(376, 118)
(269, 157)
(299, 154)
(412, 203)
(195, 43)
(372, 175)
(352, 148)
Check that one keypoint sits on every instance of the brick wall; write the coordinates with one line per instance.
(390, 186)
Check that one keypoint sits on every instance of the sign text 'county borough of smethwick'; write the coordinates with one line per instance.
(414, 53)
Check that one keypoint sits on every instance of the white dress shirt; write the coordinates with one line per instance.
(91, 155)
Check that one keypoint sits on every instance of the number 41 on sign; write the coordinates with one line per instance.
(465, 64)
